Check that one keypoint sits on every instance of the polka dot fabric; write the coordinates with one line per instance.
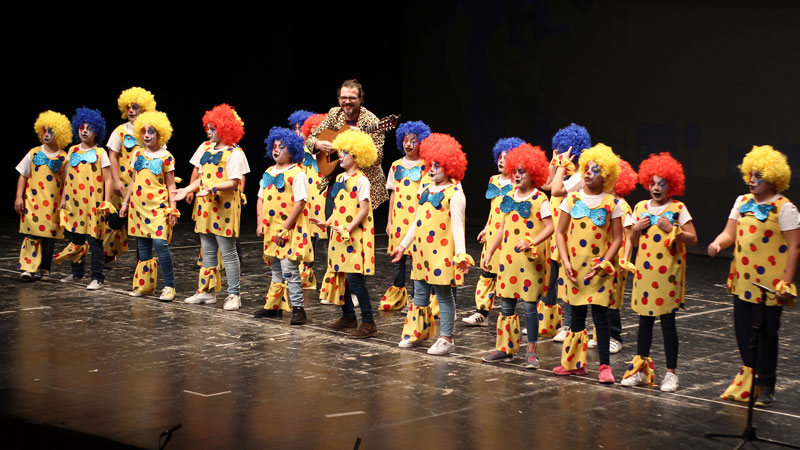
(433, 248)
(586, 241)
(519, 277)
(30, 255)
(149, 200)
(218, 213)
(276, 297)
(643, 364)
(495, 218)
(419, 325)
(760, 255)
(356, 255)
(315, 205)
(85, 191)
(659, 279)
(406, 203)
(485, 293)
(146, 276)
(116, 241)
(620, 274)
(275, 209)
(739, 389)
(42, 195)
(209, 280)
(549, 319)
(508, 334)
(575, 349)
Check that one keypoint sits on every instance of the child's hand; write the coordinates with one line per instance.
(713, 249)
(173, 220)
(123, 210)
(522, 245)
(280, 240)
(568, 270)
(397, 253)
(485, 263)
(19, 204)
(63, 203)
(463, 267)
(594, 271)
(119, 188)
(190, 197)
(318, 222)
(664, 224)
(389, 229)
(482, 236)
(203, 192)
(178, 194)
(641, 224)
(260, 229)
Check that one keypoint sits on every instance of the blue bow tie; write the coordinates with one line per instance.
(309, 160)
(268, 180)
(760, 211)
(414, 173)
(493, 191)
(209, 158)
(580, 210)
(433, 199)
(129, 142)
(76, 158)
(154, 165)
(654, 219)
(337, 186)
(40, 159)
(509, 204)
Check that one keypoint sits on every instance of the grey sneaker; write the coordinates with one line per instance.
(497, 356)
(532, 361)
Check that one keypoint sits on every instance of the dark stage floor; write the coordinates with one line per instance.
(102, 369)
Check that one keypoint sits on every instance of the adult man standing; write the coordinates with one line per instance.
(350, 112)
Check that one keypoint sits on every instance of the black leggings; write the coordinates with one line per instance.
(644, 337)
(745, 316)
(600, 316)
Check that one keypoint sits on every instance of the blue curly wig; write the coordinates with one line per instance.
(574, 136)
(93, 117)
(505, 145)
(298, 117)
(420, 128)
(293, 142)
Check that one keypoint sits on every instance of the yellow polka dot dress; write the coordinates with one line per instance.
(315, 205)
(85, 190)
(406, 200)
(149, 198)
(42, 195)
(218, 213)
(277, 203)
(433, 248)
(356, 254)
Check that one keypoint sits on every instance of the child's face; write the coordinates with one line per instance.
(437, 173)
(347, 161)
(280, 153)
(522, 178)
(501, 162)
(87, 134)
(759, 185)
(297, 129)
(211, 132)
(659, 189)
(133, 111)
(150, 137)
(411, 145)
(48, 136)
(593, 176)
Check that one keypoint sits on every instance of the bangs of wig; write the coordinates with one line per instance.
(770, 163)
(92, 117)
(603, 156)
(139, 96)
(445, 150)
(293, 143)
(663, 165)
(230, 127)
(157, 120)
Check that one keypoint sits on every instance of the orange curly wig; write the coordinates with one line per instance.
(230, 127)
(628, 177)
(444, 149)
(530, 158)
(665, 166)
(311, 124)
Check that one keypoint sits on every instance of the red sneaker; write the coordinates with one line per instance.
(560, 370)
(605, 376)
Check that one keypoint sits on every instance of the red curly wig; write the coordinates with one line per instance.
(628, 177)
(444, 149)
(311, 124)
(665, 166)
(230, 127)
(530, 158)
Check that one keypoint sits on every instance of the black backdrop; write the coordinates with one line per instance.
(705, 80)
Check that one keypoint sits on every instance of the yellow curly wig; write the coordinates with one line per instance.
(604, 157)
(60, 125)
(770, 163)
(140, 96)
(358, 144)
(159, 121)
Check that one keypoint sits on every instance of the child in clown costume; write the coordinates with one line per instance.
(150, 206)
(524, 233)
(765, 226)
(121, 146)
(403, 182)
(283, 224)
(568, 144)
(39, 188)
(85, 201)
(351, 247)
(499, 186)
(589, 236)
(218, 204)
(661, 228)
(436, 240)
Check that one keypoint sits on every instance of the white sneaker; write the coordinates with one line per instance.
(355, 300)
(202, 298)
(26, 276)
(669, 383)
(324, 302)
(442, 347)
(135, 294)
(94, 285)
(232, 302)
(407, 343)
(636, 379)
(476, 319)
(69, 278)
(561, 335)
(525, 331)
(44, 275)
(167, 294)
(614, 346)
(593, 343)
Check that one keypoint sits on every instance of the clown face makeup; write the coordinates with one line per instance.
(501, 162)
(437, 174)
(593, 177)
(760, 187)
(48, 137)
(280, 153)
(133, 112)
(522, 179)
(297, 130)
(150, 138)
(347, 161)
(87, 134)
(211, 132)
(411, 145)
(659, 190)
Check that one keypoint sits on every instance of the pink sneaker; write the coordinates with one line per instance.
(605, 376)
(560, 370)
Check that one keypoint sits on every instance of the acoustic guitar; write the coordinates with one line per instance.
(328, 163)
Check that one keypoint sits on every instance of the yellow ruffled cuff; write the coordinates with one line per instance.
(172, 212)
(107, 206)
(605, 265)
(345, 235)
(178, 180)
(676, 231)
(786, 288)
(627, 265)
(562, 160)
(463, 258)
(244, 198)
(531, 252)
(284, 233)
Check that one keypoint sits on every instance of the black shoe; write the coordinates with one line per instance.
(766, 397)
(268, 313)
(298, 316)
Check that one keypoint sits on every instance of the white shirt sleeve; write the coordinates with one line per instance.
(236, 166)
(198, 154)
(628, 221)
(789, 217)
(617, 212)
(734, 214)
(458, 207)
(299, 187)
(105, 161)
(362, 189)
(390, 179)
(24, 166)
(114, 142)
(246, 165)
(574, 183)
(684, 217)
(544, 210)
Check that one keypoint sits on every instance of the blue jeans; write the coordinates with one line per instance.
(509, 307)
(98, 257)
(289, 271)
(447, 305)
(357, 283)
(145, 246)
(209, 243)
